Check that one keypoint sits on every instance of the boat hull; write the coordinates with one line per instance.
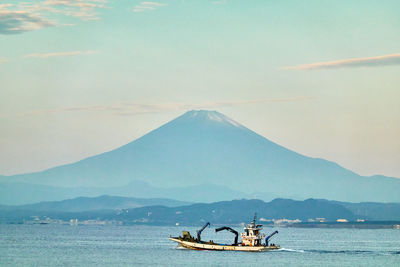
(221, 247)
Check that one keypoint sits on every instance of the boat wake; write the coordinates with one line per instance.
(291, 250)
(319, 251)
(351, 252)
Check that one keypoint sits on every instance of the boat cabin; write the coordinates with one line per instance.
(252, 235)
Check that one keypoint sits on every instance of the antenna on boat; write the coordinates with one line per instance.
(255, 218)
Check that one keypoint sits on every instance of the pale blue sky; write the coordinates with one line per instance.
(80, 77)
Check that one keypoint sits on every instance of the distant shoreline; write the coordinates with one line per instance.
(323, 225)
(355, 225)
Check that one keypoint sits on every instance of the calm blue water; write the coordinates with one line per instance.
(64, 245)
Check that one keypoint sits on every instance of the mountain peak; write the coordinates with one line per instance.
(210, 115)
(207, 147)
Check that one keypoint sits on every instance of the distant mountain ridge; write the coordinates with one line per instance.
(154, 211)
(207, 147)
(237, 211)
(96, 203)
(20, 193)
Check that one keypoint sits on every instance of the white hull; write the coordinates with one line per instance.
(207, 246)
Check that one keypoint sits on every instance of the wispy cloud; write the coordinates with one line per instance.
(33, 15)
(129, 109)
(385, 60)
(147, 5)
(219, 2)
(84, 9)
(59, 54)
(18, 21)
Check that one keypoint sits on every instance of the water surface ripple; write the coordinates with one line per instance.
(64, 245)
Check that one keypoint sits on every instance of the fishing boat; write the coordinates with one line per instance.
(252, 239)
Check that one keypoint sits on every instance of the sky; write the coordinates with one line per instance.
(81, 77)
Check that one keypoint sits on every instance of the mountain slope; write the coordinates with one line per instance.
(21, 193)
(97, 203)
(208, 147)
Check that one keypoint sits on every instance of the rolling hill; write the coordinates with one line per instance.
(167, 211)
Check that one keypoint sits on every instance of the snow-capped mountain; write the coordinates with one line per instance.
(207, 147)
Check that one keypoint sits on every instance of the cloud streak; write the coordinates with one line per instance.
(60, 54)
(130, 109)
(385, 60)
(219, 2)
(147, 6)
(83, 9)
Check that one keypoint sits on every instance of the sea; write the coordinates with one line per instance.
(112, 245)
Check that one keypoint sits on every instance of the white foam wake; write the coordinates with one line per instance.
(291, 250)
